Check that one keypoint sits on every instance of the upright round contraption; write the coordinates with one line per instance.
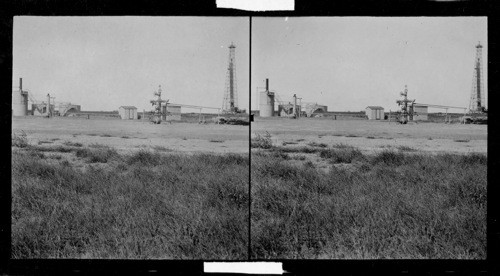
(266, 106)
(19, 101)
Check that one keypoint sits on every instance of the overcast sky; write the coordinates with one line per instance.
(102, 63)
(352, 62)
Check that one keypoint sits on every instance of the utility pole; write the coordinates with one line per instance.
(49, 112)
(300, 105)
(294, 106)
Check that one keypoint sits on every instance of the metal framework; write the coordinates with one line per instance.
(230, 103)
(157, 112)
(477, 103)
(406, 106)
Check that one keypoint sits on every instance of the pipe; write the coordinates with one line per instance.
(267, 85)
(21, 84)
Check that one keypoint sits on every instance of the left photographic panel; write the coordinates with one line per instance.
(130, 138)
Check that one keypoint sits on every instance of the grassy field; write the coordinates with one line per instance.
(392, 204)
(74, 201)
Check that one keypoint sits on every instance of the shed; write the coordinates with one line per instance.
(128, 112)
(171, 112)
(420, 112)
(375, 112)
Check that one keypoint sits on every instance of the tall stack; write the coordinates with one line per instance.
(230, 103)
(266, 105)
(20, 101)
(477, 103)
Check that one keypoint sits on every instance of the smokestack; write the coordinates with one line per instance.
(21, 84)
(267, 84)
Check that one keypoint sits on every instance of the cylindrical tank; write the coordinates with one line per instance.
(266, 105)
(20, 101)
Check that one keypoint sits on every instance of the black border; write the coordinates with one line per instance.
(8, 9)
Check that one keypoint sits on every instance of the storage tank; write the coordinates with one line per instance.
(20, 101)
(266, 105)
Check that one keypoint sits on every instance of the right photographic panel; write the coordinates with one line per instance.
(369, 137)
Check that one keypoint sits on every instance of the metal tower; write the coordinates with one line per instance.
(477, 103)
(230, 103)
(157, 112)
(406, 106)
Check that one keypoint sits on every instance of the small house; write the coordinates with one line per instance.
(128, 112)
(420, 112)
(375, 112)
(171, 112)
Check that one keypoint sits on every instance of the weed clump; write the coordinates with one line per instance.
(389, 157)
(406, 148)
(144, 157)
(262, 141)
(97, 155)
(342, 155)
(73, 144)
(20, 140)
(319, 145)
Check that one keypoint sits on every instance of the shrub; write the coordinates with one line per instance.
(20, 140)
(144, 157)
(97, 155)
(262, 141)
(406, 148)
(72, 144)
(342, 155)
(389, 157)
(319, 145)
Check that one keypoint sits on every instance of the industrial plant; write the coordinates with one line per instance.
(272, 105)
(162, 110)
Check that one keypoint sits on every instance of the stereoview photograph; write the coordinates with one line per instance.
(130, 138)
(370, 138)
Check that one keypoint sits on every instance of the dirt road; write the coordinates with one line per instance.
(371, 136)
(125, 135)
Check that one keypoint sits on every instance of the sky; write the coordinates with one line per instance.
(349, 63)
(102, 63)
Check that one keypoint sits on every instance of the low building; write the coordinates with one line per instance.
(420, 112)
(171, 112)
(41, 109)
(128, 112)
(286, 110)
(374, 112)
(65, 109)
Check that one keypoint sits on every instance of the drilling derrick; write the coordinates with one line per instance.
(230, 103)
(477, 103)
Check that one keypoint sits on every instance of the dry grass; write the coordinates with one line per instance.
(142, 205)
(393, 205)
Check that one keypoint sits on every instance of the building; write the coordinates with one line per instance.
(67, 108)
(420, 112)
(313, 109)
(171, 112)
(286, 110)
(266, 102)
(41, 109)
(128, 112)
(374, 112)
